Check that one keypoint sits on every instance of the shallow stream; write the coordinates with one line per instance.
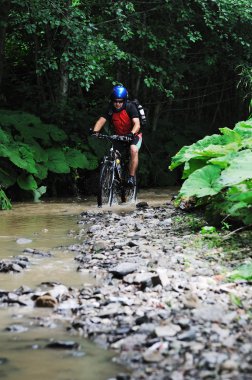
(50, 226)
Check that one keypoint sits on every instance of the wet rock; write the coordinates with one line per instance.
(146, 279)
(37, 252)
(123, 269)
(63, 345)
(123, 376)
(45, 301)
(16, 328)
(16, 264)
(23, 241)
(142, 205)
(3, 360)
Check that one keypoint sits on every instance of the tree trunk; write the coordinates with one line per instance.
(5, 7)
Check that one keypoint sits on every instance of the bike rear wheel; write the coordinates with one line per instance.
(105, 191)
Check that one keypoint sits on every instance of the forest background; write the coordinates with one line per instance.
(189, 64)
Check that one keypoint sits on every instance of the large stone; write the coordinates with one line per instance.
(45, 301)
(123, 269)
(167, 330)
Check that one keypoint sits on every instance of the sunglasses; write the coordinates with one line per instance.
(118, 101)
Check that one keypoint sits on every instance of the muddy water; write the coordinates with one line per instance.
(50, 226)
(23, 356)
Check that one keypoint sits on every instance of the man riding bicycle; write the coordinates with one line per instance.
(124, 118)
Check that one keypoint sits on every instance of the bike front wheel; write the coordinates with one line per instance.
(105, 191)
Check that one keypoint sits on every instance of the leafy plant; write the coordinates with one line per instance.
(5, 203)
(244, 272)
(206, 230)
(29, 149)
(217, 172)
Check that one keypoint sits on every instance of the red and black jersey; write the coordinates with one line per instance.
(121, 120)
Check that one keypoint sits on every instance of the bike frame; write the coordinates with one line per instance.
(115, 163)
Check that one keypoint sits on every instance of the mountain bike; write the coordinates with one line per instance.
(114, 173)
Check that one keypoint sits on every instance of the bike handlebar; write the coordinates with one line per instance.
(113, 137)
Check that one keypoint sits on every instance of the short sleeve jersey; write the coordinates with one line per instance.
(122, 120)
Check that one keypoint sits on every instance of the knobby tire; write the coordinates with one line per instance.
(105, 191)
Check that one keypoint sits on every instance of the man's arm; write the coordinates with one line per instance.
(99, 124)
(136, 125)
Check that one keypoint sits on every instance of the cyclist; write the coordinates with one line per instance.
(124, 118)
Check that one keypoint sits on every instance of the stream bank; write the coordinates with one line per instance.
(163, 302)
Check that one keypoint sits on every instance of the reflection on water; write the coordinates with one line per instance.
(26, 357)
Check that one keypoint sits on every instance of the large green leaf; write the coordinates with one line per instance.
(209, 146)
(240, 169)
(191, 166)
(56, 133)
(223, 161)
(244, 128)
(7, 178)
(57, 162)
(203, 182)
(42, 171)
(76, 159)
(27, 182)
(20, 155)
(4, 136)
(92, 161)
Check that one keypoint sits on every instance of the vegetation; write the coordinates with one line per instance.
(218, 173)
(29, 149)
(189, 63)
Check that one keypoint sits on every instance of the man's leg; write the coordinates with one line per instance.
(133, 165)
(133, 160)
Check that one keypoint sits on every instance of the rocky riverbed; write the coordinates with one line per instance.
(161, 301)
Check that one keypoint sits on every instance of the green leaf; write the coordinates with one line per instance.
(209, 146)
(7, 177)
(240, 169)
(76, 159)
(26, 182)
(203, 182)
(5, 203)
(206, 230)
(4, 137)
(244, 128)
(56, 134)
(244, 272)
(20, 155)
(57, 161)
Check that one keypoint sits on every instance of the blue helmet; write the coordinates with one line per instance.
(119, 92)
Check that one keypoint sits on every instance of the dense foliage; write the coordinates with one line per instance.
(189, 63)
(29, 149)
(217, 172)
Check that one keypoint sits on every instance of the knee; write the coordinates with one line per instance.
(133, 151)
